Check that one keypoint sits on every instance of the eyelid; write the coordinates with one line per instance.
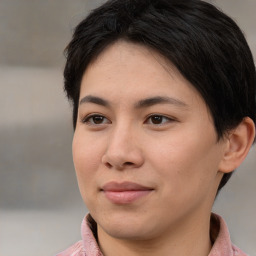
(168, 118)
(85, 120)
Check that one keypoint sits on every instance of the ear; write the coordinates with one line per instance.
(238, 144)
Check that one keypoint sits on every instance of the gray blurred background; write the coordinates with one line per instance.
(40, 205)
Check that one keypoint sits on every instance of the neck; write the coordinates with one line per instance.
(187, 238)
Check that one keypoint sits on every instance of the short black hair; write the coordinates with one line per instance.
(203, 43)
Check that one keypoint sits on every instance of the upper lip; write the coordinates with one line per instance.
(124, 186)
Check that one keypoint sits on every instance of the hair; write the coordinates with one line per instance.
(203, 43)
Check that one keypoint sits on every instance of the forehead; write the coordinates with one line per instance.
(132, 71)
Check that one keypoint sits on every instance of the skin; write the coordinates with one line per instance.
(176, 154)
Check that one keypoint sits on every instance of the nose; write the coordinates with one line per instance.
(123, 150)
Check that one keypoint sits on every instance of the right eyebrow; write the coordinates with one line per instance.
(95, 100)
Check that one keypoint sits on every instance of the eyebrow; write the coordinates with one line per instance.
(148, 102)
(160, 100)
(95, 100)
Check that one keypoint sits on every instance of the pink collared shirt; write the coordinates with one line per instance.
(222, 245)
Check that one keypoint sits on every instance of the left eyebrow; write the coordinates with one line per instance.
(160, 100)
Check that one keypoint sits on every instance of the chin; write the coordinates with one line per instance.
(128, 233)
(125, 227)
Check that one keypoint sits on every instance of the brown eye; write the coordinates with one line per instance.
(95, 120)
(156, 119)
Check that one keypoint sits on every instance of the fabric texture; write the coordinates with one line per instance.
(88, 246)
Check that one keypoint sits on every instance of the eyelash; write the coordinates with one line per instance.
(167, 119)
(87, 119)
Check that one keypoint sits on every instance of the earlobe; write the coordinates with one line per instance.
(238, 144)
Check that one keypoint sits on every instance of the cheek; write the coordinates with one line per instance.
(86, 151)
(186, 162)
(86, 160)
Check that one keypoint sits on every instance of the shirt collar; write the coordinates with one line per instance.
(220, 237)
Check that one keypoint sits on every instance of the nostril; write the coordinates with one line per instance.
(108, 165)
(128, 163)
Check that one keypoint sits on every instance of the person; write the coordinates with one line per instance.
(164, 111)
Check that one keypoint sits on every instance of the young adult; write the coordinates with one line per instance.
(164, 111)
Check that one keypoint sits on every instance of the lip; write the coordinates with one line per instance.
(125, 192)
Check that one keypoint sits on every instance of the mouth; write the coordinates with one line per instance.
(125, 192)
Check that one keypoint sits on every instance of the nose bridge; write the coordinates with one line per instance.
(123, 148)
(121, 142)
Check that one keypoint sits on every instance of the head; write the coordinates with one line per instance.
(200, 41)
(163, 97)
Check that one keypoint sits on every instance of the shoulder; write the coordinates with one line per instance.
(76, 249)
(88, 245)
(237, 251)
(220, 237)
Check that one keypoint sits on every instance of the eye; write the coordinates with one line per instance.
(158, 119)
(95, 120)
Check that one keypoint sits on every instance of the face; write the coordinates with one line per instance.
(145, 149)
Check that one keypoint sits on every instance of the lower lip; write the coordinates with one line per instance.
(125, 197)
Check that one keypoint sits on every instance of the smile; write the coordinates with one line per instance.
(125, 192)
